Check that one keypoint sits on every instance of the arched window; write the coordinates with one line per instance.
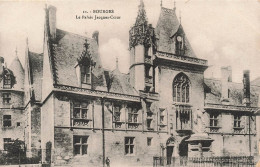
(181, 89)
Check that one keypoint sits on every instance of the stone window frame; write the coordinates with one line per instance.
(7, 83)
(82, 119)
(129, 144)
(82, 145)
(132, 114)
(162, 116)
(238, 121)
(7, 121)
(214, 119)
(214, 122)
(6, 98)
(149, 116)
(117, 112)
(85, 74)
(117, 115)
(181, 87)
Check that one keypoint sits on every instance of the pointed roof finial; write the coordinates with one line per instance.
(141, 3)
(161, 3)
(180, 16)
(16, 51)
(141, 17)
(116, 62)
(174, 6)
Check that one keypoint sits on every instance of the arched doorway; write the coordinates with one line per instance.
(170, 143)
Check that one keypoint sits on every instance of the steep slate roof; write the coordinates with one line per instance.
(67, 48)
(236, 93)
(167, 27)
(36, 69)
(18, 72)
(119, 83)
(256, 81)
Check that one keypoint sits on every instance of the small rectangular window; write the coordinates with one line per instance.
(149, 141)
(6, 98)
(237, 121)
(7, 121)
(80, 144)
(149, 122)
(213, 120)
(162, 115)
(18, 124)
(129, 145)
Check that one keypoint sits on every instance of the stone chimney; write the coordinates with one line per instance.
(2, 61)
(246, 87)
(95, 36)
(52, 21)
(226, 76)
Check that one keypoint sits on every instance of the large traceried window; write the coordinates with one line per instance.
(181, 89)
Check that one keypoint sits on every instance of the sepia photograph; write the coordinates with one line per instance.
(130, 83)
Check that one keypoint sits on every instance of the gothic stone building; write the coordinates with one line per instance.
(163, 107)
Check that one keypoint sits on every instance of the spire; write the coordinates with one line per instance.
(174, 6)
(27, 41)
(141, 3)
(27, 44)
(16, 51)
(141, 33)
(180, 16)
(141, 18)
(117, 63)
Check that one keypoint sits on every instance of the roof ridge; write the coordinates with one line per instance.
(74, 34)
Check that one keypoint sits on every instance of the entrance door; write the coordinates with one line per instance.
(183, 152)
(169, 154)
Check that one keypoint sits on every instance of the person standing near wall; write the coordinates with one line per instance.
(108, 162)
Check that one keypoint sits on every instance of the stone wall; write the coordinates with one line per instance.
(18, 119)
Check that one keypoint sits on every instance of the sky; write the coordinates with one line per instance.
(224, 32)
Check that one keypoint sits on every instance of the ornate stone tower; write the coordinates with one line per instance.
(142, 46)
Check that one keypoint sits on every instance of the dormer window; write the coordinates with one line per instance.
(85, 70)
(85, 64)
(7, 81)
(179, 45)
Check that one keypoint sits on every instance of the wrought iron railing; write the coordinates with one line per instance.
(225, 161)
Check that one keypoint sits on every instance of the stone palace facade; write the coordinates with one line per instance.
(65, 100)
